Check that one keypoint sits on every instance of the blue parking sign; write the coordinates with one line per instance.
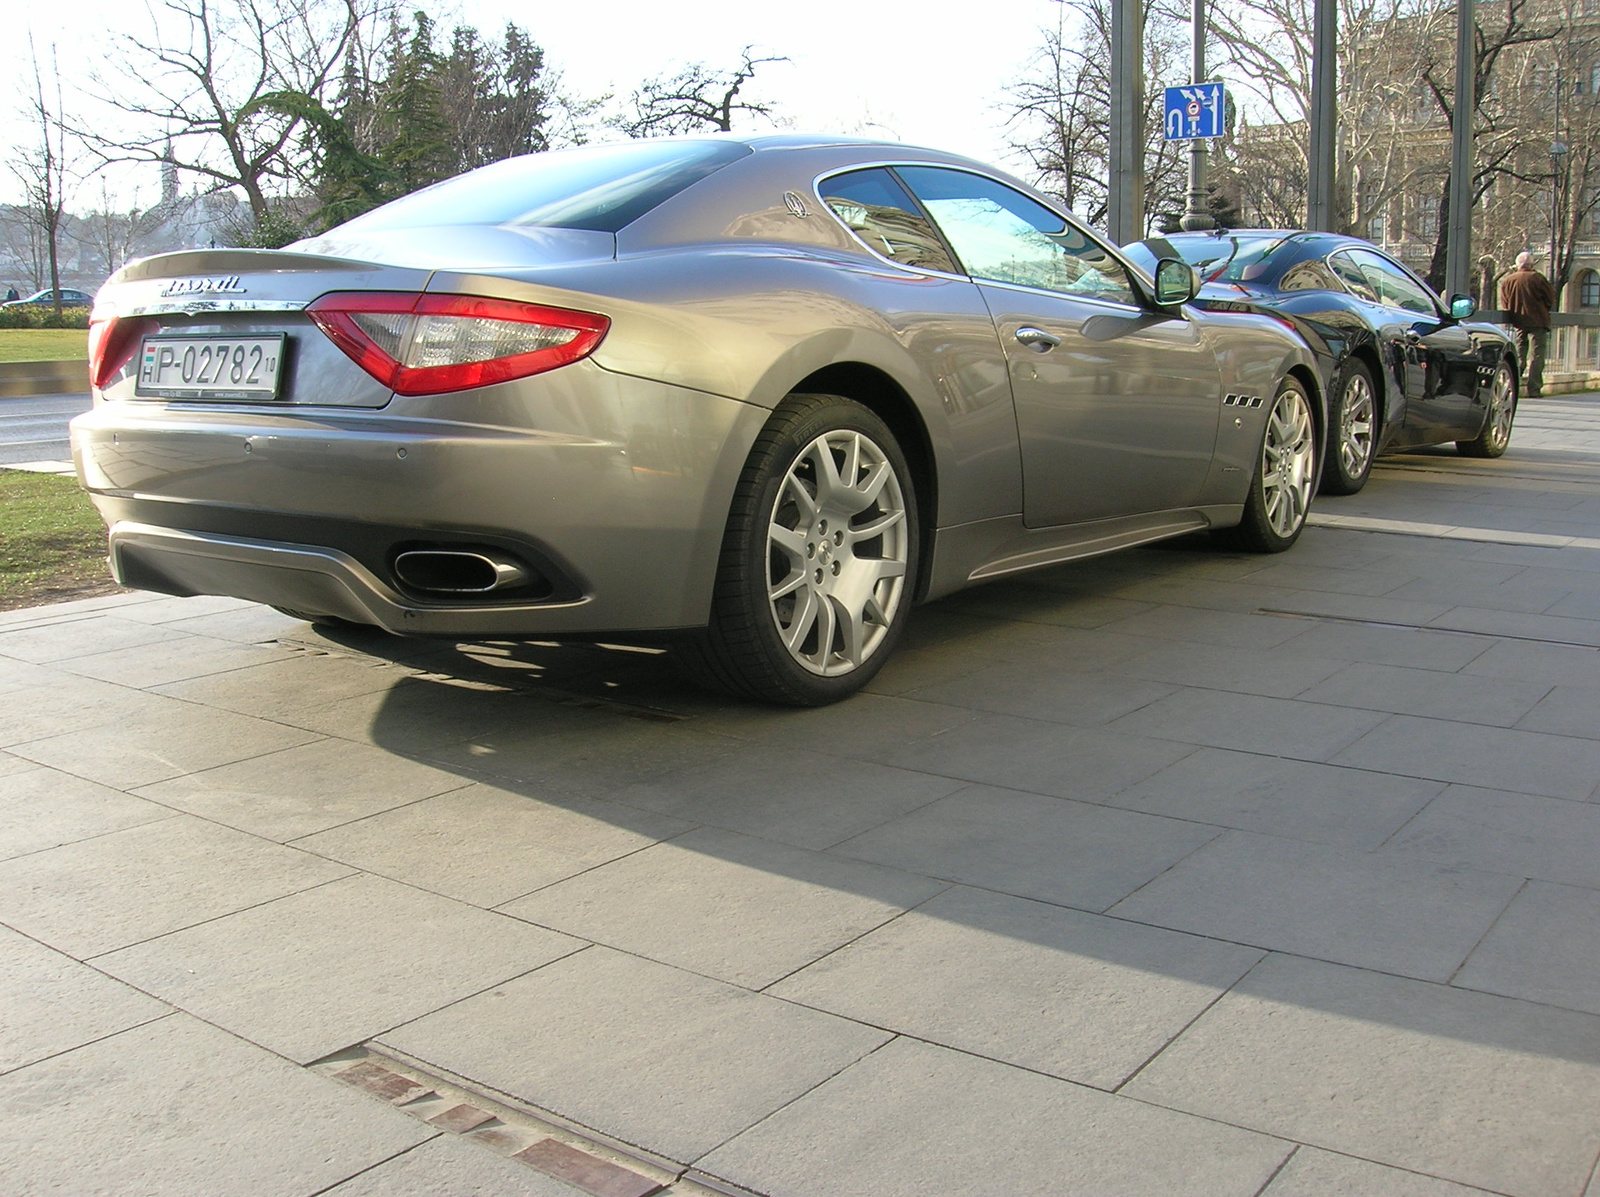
(1195, 111)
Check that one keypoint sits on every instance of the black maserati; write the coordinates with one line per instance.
(1403, 367)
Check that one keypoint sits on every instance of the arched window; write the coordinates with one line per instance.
(1589, 289)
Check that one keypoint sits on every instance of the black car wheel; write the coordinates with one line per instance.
(815, 579)
(1280, 493)
(1352, 431)
(1496, 434)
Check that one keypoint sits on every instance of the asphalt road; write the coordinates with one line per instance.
(35, 428)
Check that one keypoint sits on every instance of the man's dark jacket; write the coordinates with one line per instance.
(1526, 297)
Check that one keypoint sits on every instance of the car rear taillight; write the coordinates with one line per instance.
(111, 343)
(428, 344)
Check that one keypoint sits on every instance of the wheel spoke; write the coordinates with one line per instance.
(805, 614)
(827, 624)
(789, 540)
(803, 498)
(876, 527)
(788, 585)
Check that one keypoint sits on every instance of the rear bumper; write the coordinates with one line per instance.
(613, 489)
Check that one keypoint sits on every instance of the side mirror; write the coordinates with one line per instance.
(1462, 306)
(1176, 282)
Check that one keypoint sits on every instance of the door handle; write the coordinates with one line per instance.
(1037, 339)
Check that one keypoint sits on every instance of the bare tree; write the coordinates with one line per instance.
(696, 99)
(200, 71)
(112, 234)
(1059, 112)
(42, 169)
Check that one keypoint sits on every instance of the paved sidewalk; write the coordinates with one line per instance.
(1174, 872)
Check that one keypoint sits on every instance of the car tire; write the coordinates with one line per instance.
(818, 561)
(1352, 431)
(1496, 433)
(1285, 475)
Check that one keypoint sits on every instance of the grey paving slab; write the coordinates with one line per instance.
(1297, 575)
(728, 906)
(913, 668)
(1510, 623)
(1566, 711)
(1530, 595)
(805, 798)
(486, 845)
(164, 739)
(1248, 671)
(1545, 948)
(1047, 690)
(65, 704)
(1032, 846)
(288, 687)
(1059, 601)
(53, 1004)
(419, 713)
(450, 1167)
(605, 753)
(1404, 916)
(619, 1044)
(1524, 761)
(163, 608)
(1198, 626)
(1312, 1172)
(1415, 648)
(949, 628)
(1466, 1087)
(251, 624)
(327, 968)
(297, 791)
(176, 1106)
(1032, 754)
(80, 638)
(1430, 692)
(1554, 839)
(1250, 723)
(1079, 996)
(103, 893)
(1326, 804)
(43, 808)
(147, 665)
(1552, 664)
(856, 727)
(995, 1129)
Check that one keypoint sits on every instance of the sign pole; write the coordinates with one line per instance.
(1125, 187)
(1324, 116)
(1198, 215)
(1458, 237)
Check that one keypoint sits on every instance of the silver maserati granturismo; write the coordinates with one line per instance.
(748, 397)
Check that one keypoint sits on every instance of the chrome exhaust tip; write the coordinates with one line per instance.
(457, 571)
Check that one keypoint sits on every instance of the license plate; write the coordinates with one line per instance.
(210, 367)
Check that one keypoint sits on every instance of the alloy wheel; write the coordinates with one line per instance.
(1356, 420)
(1288, 462)
(837, 550)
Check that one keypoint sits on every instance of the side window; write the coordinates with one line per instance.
(1310, 275)
(878, 210)
(1395, 287)
(1002, 235)
(1350, 275)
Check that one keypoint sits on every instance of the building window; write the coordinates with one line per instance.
(1377, 227)
(1589, 289)
(1428, 216)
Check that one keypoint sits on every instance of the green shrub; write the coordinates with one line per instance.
(43, 317)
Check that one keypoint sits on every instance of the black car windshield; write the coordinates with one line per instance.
(601, 188)
(1226, 258)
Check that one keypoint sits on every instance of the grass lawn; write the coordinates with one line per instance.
(52, 541)
(43, 345)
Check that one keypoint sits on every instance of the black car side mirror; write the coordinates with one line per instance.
(1462, 306)
(1176, 282)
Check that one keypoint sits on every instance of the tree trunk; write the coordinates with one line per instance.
(1441, 242)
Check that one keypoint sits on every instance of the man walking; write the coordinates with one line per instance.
(1526, 297)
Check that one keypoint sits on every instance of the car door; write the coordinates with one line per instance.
(1117, 404)
(1442, 369)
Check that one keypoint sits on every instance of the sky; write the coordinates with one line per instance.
(925, 72)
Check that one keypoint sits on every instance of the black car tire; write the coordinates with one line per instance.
(794, 551)
(1288, 456)
(1496, 434)
(1347, 463)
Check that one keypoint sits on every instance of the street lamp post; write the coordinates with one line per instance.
(1197, 216)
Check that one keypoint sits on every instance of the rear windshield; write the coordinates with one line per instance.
(1229, 258)
(601, 188)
